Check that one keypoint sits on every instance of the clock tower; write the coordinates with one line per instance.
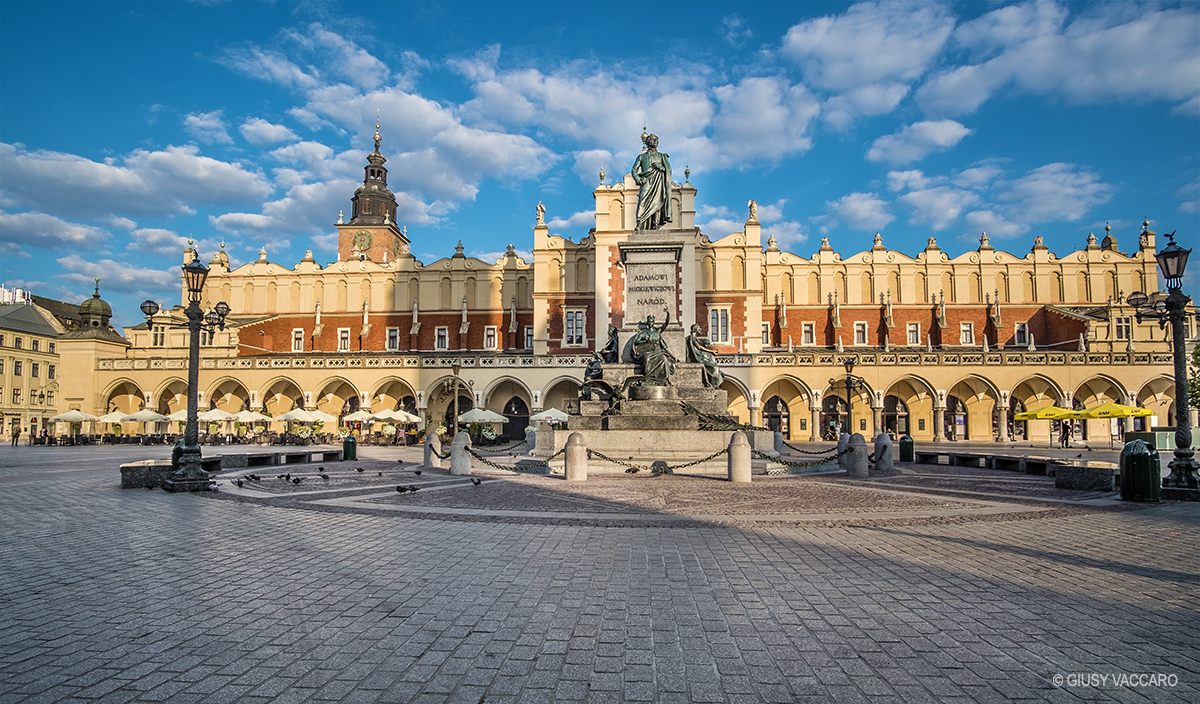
(372, 232)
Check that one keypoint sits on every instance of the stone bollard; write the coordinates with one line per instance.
(433, 446)
(885, 457)
(856, 465)
(739, 457)
(576, 463)
(460, 459)
(779, 446)
(843, 460)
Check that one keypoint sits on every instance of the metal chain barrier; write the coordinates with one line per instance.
(508, 468)
(882, 451)
(439, 455)
(791, 464)
(668, 468)
(803, 452)
(502, 450)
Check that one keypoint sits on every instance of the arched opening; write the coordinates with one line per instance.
(1017, 429)
(895, 416)
(955, 419)
(337, 398)
(229, 396)
(834, 420)
(777, 417)
(517, 413)
(465, 403)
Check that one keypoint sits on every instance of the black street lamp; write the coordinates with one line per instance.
(456, 367)
(852, 383)
(1171, 262)
(191, 475)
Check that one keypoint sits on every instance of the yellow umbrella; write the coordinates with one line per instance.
(1114, 410)
(1047, 413)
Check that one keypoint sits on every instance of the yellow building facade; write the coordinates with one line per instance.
(945, 348)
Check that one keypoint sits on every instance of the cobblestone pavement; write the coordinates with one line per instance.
(901, 588)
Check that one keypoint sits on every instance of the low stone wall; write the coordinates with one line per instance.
(152, 473)
(1085, 478)
(669, 445)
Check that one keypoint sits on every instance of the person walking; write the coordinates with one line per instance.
(16, 435)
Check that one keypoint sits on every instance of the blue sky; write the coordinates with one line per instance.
(126, 128)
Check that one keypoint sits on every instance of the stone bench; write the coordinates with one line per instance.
(1083, 475)
(295, 457)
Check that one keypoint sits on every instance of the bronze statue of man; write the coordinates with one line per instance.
(652, 173)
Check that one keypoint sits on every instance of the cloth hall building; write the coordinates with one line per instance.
(946, 348)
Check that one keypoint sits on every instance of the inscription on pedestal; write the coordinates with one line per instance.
(651, 284)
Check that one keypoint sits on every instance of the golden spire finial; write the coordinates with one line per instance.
(377, 137)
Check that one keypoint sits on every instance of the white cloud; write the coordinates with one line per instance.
(912, 179)
(995, 224)
(42, 231)
(788, 233)
(876, 99)
(261, 133)
(208, 127)
(977, 177)
(871, 43)
(586, 218)
(937, 207)
(1191, 195)
(164, 182)
(858, 211)
(759, 118)
(269, 66)
(342, 57)
(916, 141)
(121, 276)
(1108, 52)
(1055, 192)
(734, 31)
(589, 162)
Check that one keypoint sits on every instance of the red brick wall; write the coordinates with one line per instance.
(276, 333)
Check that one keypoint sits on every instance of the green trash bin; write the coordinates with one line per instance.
(906, 449)
(1141, 474)
(349, 448)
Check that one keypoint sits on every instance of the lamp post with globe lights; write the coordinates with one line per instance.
(852, 383)
(191, 475)
(1172, 260)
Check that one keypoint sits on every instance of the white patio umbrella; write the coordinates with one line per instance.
(550, 415)
(217, 415)
(180, 416)
(144, 416)
(114, 417)
(73, 416)
(481, 415)
(407, 417)
(389, 414)
(249, 417)
(322, 416)
(296, 414)
(356, 416)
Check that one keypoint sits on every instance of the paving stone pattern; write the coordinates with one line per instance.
(132, 595)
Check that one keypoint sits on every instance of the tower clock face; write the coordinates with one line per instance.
(362, 240)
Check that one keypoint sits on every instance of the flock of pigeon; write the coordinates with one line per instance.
(239, 482)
